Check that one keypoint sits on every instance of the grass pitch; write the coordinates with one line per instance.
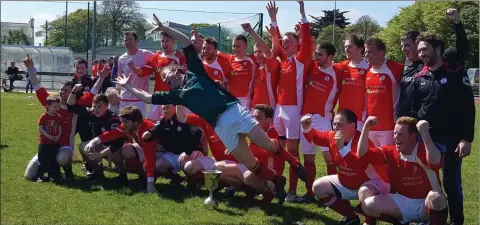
(83, 202)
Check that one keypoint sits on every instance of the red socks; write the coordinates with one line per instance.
(438, 217)
(293, 161)
(293, 179)
(311, 173)
(331, 169)
(264, 172)
(342, 207)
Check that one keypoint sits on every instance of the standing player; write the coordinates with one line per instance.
(69, 121)
(217, 68)
(266, 80)
(414, 174)
(354, 176)
(296, 60)
(383, 90)
(320, 97)
(231, 119)
(131, 62)
(443, 97)
(156, 64)
(353, 92)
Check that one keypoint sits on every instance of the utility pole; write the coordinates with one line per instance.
(334, 20)
(46, 33)
(66, 16)
(88, 29)
(32, 22)
(94, 31)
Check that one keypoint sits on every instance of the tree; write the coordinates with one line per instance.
(326, 36)
(118, 16)
(141, 26)
(430, 16)
(77, 31)
(211, 30)
(15, 37)
(365, 27)
(319, 23)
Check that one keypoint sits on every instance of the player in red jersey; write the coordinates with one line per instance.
(133, 126)
(320, 97)
(354, 175)
(414, 174)
(296, 60)
(355, 68)
(241, 78)
(69, 121)
(383, 91)
(266, 80)
(217, 68)
(264, 115)
(155, 64)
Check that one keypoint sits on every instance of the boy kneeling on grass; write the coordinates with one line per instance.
(50, 129)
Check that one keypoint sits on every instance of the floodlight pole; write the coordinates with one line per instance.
(66, 16)
(334, 19)
(88, 28)
(94, 31)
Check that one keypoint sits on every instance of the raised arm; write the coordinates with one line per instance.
(32, 71)
(258, 40)
(175, 34)
(434, 156)
(274, 31)
(362, 146)
(305, 52)
(312, 135)
(461, 41)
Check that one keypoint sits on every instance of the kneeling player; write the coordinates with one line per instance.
(232, 121)
(334, 191)
(414, 167)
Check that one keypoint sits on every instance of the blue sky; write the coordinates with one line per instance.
(288, 15)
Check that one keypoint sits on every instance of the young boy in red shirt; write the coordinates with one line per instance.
(50, 129)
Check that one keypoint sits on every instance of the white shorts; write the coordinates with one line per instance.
(360, 125)
(154, 112)
(235, 120)
(139, 104)
(240, 166)
(381, 138)
(318, 123)
(412, 209)
(348, 194)
(208, 163)
(172, 159)
(245, 101)
(63, 148)
(286, 121)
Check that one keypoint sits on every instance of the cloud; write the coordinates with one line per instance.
(41, 17)
(353, 14)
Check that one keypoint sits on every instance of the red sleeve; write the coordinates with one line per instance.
(41, 120)
(42, 95)
(397, 70)
(149, 67)
(318, 138)
(273, 67)
(281, 53)
(225, 56)
(338, 68)
(113, 134)
(375, 156)
(305, 53)
(86, 100)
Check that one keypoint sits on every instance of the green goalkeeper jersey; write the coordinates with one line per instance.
(199, 94)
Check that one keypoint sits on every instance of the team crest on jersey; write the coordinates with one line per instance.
(415, 169)
(245, 63)
(443, 80)
(361, 72)
(382, 78)
(327, 78)
(179, 128)
(215, 72)
(261, 67)
(103, 129)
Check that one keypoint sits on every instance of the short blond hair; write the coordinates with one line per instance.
(171, 68)
(410, 122)
(111, 91)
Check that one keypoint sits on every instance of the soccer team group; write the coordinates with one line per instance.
(396, 126)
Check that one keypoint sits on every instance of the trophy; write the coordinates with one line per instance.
(211, 183)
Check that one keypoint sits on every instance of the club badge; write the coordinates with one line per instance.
(382, 78)
(361, 72)
(245, 63)
(179, 128)
(215, 72)
(443, 80)
(327, 78)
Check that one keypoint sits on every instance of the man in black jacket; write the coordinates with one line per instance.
(454, 55)
(12, 73)
(442, 96)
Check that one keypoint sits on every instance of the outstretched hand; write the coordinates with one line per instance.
(272, 11)
(453, 15)
(28, 62)
(123, 80)
(157, 22)
(104, 72)
(302, 8)
(247, 27)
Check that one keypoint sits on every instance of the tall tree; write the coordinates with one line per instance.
(119, 15)
(141, 26)
(76, 31)
(430, 16)
(15, 37)
(326, 36)
(365, 27)
(321, 22)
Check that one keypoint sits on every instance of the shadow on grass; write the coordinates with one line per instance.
(2, 146)
(289, 213)
(178, 193)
